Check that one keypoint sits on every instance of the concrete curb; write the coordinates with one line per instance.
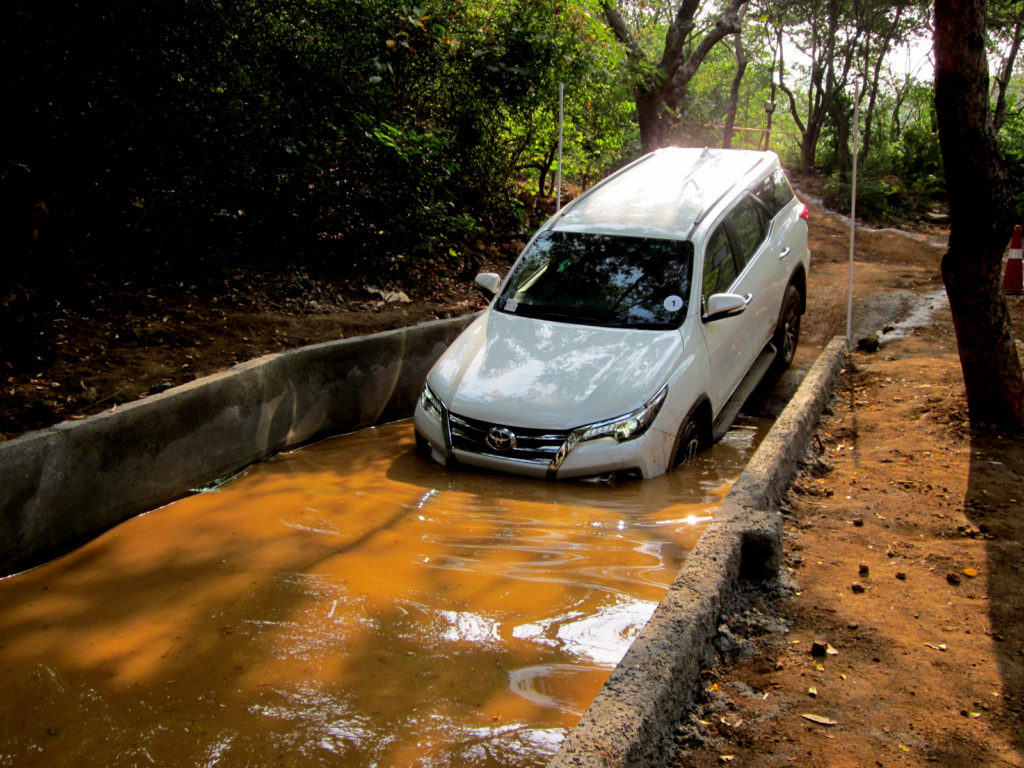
(632, 719)
(64, 485)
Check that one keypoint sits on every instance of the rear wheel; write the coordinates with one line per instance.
(787, 334)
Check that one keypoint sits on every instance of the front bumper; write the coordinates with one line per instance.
(649, 454)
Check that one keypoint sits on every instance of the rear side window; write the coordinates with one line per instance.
(748, 225)
(774, 192)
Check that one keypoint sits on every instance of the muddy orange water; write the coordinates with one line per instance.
(349, 604)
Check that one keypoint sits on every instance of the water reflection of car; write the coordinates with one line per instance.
(631, 328)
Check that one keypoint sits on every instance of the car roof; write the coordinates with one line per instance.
(665, 193)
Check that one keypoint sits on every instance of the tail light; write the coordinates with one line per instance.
(804, 211)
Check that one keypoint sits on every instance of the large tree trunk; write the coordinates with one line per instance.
(661, 93)
(655, 123)
(980, 210)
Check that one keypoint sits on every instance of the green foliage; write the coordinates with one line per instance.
(879, 199)
(920, 162)
(183, 136)
(1011, 141)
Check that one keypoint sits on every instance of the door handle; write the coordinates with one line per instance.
(748, 298)
(785, 252)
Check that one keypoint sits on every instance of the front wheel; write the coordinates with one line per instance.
(787, 334)
(689, 443)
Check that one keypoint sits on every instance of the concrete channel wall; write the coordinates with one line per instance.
(64, 485)
(632, 719)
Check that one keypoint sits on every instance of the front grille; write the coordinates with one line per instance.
(534, 445)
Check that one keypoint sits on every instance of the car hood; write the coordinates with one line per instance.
(546, 375)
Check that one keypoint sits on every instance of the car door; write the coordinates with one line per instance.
(783, 239)
(733, 263)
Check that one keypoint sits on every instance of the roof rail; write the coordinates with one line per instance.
(711, 206)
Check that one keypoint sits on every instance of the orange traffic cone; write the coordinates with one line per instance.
(1013, 278)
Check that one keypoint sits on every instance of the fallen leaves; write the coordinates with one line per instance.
(819, 719)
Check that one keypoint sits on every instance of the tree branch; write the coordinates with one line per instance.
(618, 27)
(680, 28)
(728, 24)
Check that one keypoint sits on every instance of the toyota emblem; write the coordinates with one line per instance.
(501, 439)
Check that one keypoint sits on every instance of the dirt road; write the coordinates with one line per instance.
(903, 565)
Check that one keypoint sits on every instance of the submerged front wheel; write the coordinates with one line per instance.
(690, 442)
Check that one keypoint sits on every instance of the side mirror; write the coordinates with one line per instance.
(720, 305)
(487, 283)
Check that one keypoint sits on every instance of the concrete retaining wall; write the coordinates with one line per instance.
(62, 486)
(631, 722)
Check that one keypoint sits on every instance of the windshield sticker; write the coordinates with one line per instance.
(673, 303)
(511, 305)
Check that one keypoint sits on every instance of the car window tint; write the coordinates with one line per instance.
(748, 228)
(719, 265)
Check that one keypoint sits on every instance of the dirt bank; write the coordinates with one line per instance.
(904, 554)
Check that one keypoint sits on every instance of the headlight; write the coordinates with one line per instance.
(430, 403)
(627, 427)
(622, 428)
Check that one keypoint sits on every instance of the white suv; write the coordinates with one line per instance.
(631, 328)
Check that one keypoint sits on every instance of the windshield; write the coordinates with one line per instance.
(609, 280)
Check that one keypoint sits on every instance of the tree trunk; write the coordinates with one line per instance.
(544, 168)
(661, 92)
(769, 108)
(869, 117)
(818, 96)
(734, 91)
(841, 120)
(809, 145)
(655, 123)
(980, 210)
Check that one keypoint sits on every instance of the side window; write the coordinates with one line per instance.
(783, 191)
(747, 222)
(774, 192)
(719, 265)
(765, 192)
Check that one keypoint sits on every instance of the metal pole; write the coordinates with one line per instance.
(561, 122)
(853, 220)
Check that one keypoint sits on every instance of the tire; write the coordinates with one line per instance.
(690, 443)
(787, 333)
